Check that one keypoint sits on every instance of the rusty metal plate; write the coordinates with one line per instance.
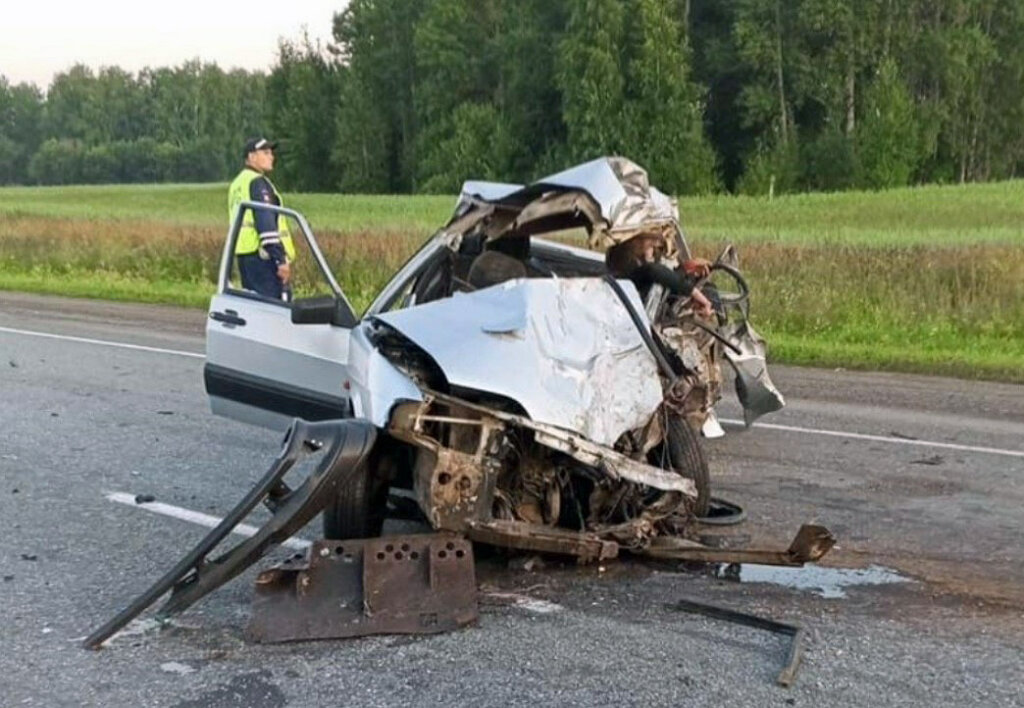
(416, 584)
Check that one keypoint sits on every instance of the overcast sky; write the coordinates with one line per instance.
(39, 38)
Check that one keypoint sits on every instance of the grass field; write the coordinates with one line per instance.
(925, 279)
(930, 215)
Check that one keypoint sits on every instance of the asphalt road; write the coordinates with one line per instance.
(923, 476)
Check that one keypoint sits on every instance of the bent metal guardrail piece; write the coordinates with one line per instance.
(345, 445)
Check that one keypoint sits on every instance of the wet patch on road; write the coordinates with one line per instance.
(825, 582)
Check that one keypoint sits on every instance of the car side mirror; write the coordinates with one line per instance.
(322, 310)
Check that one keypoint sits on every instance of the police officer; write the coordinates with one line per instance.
(264, 247)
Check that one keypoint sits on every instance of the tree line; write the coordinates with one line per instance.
(185, 123)
(417, 95)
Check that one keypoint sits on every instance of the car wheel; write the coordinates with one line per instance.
(359, 508)
(686, 456)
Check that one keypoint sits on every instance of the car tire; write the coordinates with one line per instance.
(686, 456)
(359, 508)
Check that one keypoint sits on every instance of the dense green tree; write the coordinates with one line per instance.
(10, 159)
(360, 154)
(664, 130)
(475, 144)
(887, 134)
(302, 100)
(763, 30)
(57, 162)
(717, 67)
(70, 106)
(422, 94)
(375, 40)
(456, 79)
(526, 91)
(590, 78)
(119, 107)
(21, 129)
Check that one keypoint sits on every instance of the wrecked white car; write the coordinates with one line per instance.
(522, 395)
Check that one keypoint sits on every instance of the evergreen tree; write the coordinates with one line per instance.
(663, 109)
(526, 91)
(887, 134)
(462, 131)
(302, 100)
(375, 40)
(590, 78)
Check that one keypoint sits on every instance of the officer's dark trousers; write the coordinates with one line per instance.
(259, 275)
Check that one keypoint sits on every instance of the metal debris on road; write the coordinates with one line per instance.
(793, 656)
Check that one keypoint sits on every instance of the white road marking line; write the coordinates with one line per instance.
(880, 438)
(197, 517)
(103, 342)
(729, 421)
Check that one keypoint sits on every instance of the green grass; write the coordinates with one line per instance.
(928, 279)
(930, 215)
(206, 205)
(110, 286)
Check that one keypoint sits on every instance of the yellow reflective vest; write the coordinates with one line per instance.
(248, 237)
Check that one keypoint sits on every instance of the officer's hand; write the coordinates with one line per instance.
(697, 268)
(284, 272)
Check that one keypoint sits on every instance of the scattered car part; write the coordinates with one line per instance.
(414, 584)
(809, 545)
(712, 428)
(793, 655)
(344, 445)
(722, 512)
(586, 547)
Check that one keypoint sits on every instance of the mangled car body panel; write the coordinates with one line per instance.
(377, 384)
(623, 197)
(409, 584)
(565, 349)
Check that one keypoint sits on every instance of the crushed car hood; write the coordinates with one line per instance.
(564, 349)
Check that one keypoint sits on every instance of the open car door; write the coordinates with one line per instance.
(267, 360)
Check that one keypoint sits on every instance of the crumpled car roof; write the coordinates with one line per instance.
(619, 187)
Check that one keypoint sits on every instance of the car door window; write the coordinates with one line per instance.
(308, 278)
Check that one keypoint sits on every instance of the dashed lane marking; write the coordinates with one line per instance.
(103, 342)
(879, 438)
(197, 517)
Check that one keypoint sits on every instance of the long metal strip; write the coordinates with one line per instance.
(345, 445)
